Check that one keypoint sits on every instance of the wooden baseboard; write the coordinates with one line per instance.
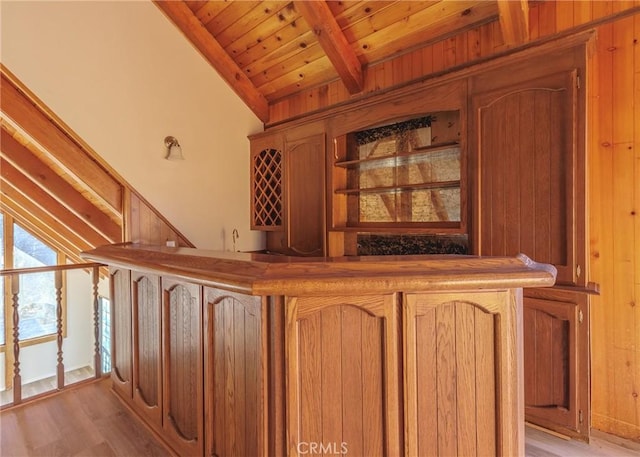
(546, 430)
(615, 427)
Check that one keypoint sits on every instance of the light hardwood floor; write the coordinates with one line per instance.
(90, 421)
(48, 384)
(542, 444)
(83, 421)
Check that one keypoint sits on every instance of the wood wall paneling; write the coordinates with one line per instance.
(145, 225)
(615, 229)
(545, 19)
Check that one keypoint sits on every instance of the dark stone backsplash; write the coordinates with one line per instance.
(412, 244)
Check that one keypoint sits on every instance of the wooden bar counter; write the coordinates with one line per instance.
(247, 354)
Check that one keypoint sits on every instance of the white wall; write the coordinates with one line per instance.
(123, 77)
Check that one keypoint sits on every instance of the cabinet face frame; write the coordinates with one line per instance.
(302, 153)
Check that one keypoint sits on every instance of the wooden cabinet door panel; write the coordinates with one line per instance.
(527, 148)
(235, 371)
(305, 195)
(455, 397)
(121, 332)
(342, 371)
(551, 361)
(147, 344)
(183, 417)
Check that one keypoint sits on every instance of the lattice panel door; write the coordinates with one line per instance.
(267, 189)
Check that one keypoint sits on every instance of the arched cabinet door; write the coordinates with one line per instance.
(235, 360)
(556, 358)
(147, 343)
(461, 374)
(305, 195)
(343, 378)
(121, 332)
(183, 415)
(528, 156)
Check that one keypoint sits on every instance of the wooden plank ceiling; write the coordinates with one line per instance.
(269, 50)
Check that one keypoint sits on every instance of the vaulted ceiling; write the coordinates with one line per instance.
(270, 50)
(57, 187)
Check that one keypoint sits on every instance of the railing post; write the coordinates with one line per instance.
(97, 358)
(17, 379)
(13, 276)
(60, 367)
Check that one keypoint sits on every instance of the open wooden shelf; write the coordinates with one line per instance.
(417, 150)
(418, 186)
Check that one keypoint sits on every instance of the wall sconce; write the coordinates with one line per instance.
(174, 150)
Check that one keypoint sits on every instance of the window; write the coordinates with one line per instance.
(105, 333)
(37, 296)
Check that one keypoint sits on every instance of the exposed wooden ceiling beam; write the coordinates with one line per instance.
(68, 153)
(514, 21)
(195, 32)
(324, 25)
(55, 240)
(30, 165)
(11, 176)
(42, 222)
